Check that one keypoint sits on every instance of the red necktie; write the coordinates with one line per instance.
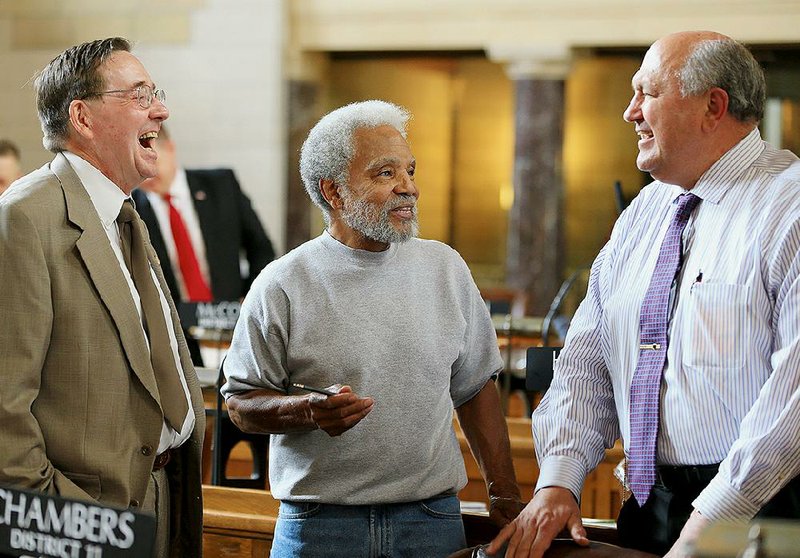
(196, 287)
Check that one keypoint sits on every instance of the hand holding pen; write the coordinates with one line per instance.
(336, 409)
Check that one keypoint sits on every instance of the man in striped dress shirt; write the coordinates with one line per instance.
(729, 406)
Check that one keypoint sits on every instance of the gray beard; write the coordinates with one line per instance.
(374, 222)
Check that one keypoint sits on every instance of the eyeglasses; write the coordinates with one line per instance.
(144, 94)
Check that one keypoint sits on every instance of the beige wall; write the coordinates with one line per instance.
(328, 25)
(220, 61)
(224, 65)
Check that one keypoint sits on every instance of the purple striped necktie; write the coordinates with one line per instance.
(646, 382)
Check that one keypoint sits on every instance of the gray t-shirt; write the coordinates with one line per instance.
(406, 327)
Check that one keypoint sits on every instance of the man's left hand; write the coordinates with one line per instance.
(503, 510)
(689, 534)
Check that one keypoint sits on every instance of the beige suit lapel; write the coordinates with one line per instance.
(99, 258)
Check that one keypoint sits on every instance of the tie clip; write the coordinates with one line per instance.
(650, 346)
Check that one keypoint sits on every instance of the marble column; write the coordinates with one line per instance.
(534, 244)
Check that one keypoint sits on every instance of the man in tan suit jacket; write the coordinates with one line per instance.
(79, 402)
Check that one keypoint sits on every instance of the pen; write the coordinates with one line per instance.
(698, 279)
(315, 390)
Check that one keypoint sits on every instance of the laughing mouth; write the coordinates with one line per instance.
(146, 140)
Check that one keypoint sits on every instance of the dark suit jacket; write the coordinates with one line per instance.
(79, 405)
(228, 224)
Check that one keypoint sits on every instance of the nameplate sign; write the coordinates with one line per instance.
(34, 525)
(209, 315)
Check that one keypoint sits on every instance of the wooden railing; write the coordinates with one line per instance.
(600, 498)
(238, 523)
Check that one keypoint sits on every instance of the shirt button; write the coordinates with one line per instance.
(147, 450)
(134, 503)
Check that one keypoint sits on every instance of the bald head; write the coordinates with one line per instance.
(701, 60)
(696, 94)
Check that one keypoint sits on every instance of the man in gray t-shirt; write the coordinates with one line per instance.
(368, 309)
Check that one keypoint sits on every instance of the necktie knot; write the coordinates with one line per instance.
(686, 204)
(126, 213)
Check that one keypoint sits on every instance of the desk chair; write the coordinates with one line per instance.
(226, 436)
(553, 320)
(539, 364)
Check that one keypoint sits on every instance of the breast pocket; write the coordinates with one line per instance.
(717, 326)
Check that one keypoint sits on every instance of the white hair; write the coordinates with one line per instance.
(329, 147)
(729, 65)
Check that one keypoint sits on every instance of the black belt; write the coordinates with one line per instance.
(162, 459)
(682, 477)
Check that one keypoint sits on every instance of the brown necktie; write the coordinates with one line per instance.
(170, 390)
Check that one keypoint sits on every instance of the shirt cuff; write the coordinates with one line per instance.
(720, 501)
(563, 471)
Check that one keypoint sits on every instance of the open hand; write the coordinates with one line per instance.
(530, 534)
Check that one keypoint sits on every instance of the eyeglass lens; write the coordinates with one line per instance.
(146, 94)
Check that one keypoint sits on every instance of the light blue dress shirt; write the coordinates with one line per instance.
(730, 392)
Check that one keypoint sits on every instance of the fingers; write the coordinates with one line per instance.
(502, 537)
(338, 413)
(576, 530)
(550, 510)
(544, 538)
(523, 541)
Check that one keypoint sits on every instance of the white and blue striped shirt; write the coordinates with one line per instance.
(730, 390)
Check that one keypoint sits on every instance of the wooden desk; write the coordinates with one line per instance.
(238, 522)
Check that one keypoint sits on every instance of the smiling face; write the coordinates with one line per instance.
(379, 204)
(114, 132)
(669, 125)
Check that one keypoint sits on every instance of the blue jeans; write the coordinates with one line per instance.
(429, 528)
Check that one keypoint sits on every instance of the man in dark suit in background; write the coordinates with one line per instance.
(200, 221)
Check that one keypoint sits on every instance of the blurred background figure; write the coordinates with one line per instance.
(204, 227)
(10, 168)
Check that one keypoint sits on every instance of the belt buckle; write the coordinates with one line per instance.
(621, 474)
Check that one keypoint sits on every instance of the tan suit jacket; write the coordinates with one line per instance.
(79, 405)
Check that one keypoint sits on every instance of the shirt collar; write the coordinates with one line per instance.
(180, 186)
(716, 181)
(106, 196)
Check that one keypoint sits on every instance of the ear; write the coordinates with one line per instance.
(716, 108)
(330, 191)
(80, 116)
